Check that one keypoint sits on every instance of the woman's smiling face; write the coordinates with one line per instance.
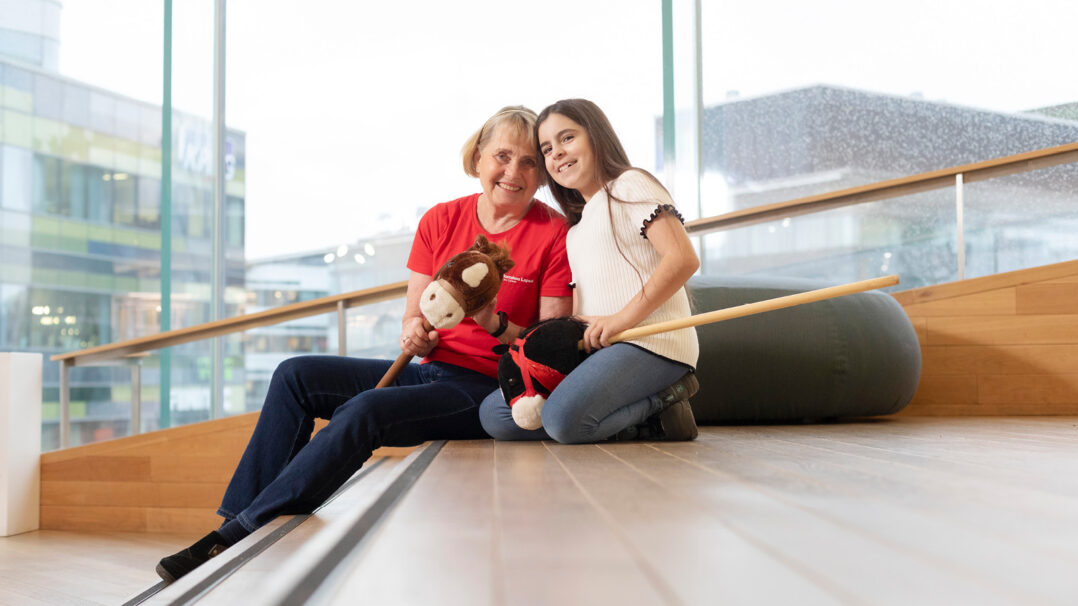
(508, 168)
(568, 154)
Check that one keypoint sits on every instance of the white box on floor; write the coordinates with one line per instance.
(20, 442)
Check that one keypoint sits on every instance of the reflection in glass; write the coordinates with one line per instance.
(913, 236)
(1021, 221)
(824, 99)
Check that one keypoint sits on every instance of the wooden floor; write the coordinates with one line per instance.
(909, 510)
(50, 567)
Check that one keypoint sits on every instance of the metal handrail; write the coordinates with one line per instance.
(129, 351)
(948, 177)
(267, 317)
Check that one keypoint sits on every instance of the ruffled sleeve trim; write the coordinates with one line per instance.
(661, 208)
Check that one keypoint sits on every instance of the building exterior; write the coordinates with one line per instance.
(819, 139)
(80, 230)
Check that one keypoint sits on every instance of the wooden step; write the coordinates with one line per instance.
(170, 480)
(906, 510)
(1005, 344)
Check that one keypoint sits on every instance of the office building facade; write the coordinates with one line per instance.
(81, 230)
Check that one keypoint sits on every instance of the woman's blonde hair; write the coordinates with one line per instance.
(517, 116)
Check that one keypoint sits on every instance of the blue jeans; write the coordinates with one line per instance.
(612, 389)
(284, 470)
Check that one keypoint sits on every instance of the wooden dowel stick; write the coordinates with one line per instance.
(394, 370)
(399, 364)
(749, 309)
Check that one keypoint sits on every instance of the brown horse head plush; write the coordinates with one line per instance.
(465, 284)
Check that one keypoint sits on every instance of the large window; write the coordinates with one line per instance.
(803, 98)
(354, 122)
(355, 113)
(354, 127)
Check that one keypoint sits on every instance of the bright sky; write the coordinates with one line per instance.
(355, 112)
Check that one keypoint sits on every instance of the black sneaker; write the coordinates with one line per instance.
(183, 562)
(683, 389)
(675, 422)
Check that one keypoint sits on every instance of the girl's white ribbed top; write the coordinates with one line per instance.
(606, 281)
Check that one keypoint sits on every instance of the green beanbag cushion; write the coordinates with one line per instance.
(852, 356)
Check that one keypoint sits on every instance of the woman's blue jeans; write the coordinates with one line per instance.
(612, 389)
(284, 470)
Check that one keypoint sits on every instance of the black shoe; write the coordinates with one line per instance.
(675, 422)
(183, 562)
(683, 389)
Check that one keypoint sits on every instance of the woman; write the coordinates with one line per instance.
(630, 257)
(284, 470)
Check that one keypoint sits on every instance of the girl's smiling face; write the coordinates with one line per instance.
(568, 154)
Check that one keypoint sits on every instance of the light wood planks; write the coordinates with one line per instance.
(164, 481)
(1055, 272)
(51, 567)
(1000, 345)
(252, 578)
(904, 510)
(494, 523)
(899, 511)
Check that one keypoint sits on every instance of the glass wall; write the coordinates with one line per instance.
(355, 114)
(80, 219)
(802, 98)
(358, 111)
(354, 124)
(81, 208)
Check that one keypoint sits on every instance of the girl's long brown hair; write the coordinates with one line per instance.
(610, 157)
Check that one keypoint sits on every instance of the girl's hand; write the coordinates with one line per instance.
(415, 340)
(602, 328)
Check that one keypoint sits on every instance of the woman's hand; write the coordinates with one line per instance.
(487, 317)
(415, 340)
(602, 328)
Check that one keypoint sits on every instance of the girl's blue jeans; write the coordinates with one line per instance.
(612, 389)
(284, 470)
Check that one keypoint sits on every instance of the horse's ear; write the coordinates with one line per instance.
(502, 261)
(481, 244)
(498, 254)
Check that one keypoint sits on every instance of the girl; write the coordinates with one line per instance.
(630, 257)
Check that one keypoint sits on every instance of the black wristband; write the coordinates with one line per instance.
(503, 323)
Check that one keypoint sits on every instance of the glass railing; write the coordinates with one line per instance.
(975, 220)
(912, 236)
(944, 229)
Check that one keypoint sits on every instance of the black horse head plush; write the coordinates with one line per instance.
(535, 363)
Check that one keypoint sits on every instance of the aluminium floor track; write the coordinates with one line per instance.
(313, 577)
